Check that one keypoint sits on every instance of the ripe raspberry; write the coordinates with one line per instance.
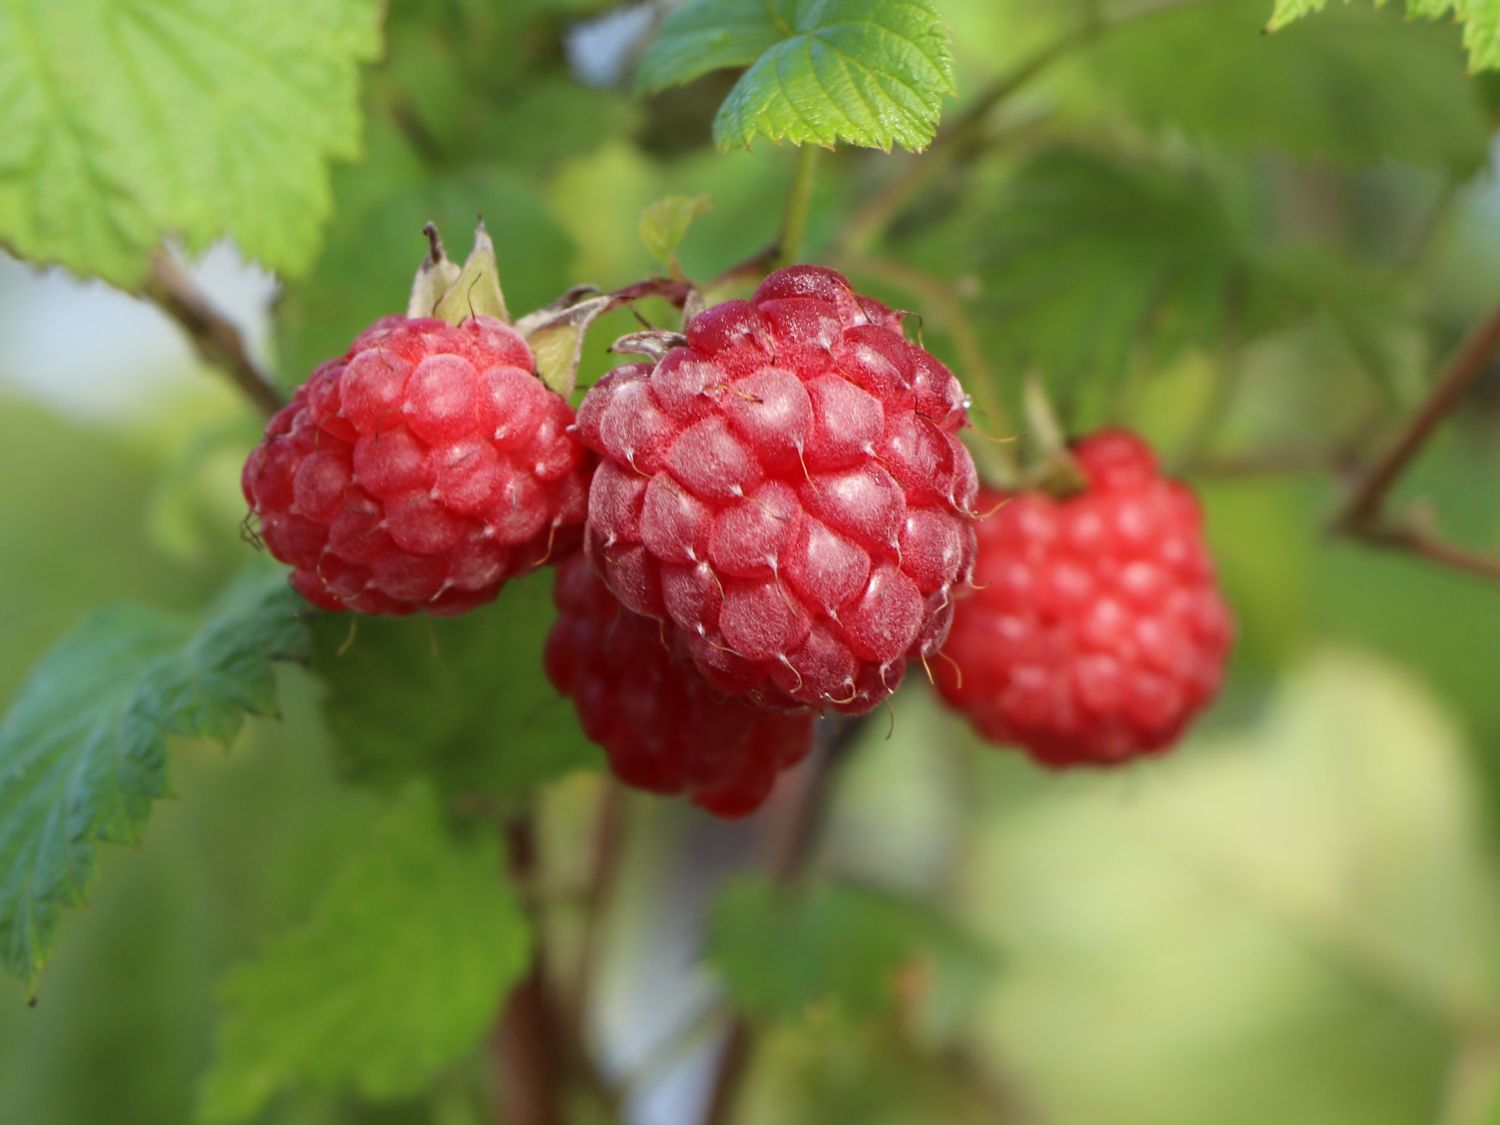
(664, 728)
(1096, 630)
(419, 471)
(785, 487)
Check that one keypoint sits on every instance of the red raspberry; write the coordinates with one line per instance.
(418, 472)
(785, 487)
(664, 728)
(1096, 631)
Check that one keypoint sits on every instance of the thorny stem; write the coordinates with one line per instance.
(1363, 515)
(793, 850)
(798, 203)
(216, 340)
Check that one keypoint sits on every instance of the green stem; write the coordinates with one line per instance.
(798, 203)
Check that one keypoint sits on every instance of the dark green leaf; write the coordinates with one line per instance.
(83, 749)
(464, 699)
(397, 973)
(126, 123)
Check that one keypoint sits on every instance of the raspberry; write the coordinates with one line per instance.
(784, 486)
(663, 727)
(419, 471)
(1096, 630)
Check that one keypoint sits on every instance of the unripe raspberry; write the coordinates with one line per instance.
(420, 471)
(785, 487)
(662, 726)
(1096, 630)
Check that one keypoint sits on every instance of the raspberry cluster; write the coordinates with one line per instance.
(419, 471)
(663, 727)
(1096, 630)
(785, 488)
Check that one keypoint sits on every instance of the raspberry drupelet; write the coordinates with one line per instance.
(785, 487)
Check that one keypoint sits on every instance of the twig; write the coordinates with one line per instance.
(526, 1044)
(1363, 515)
(793, 850)
(215, 339)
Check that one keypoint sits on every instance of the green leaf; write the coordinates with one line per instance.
(866, 72)
(1155, 261)
(665, 224)
(1355, 86)
(781, 950)
(397, 973)
(1481, 20)
(130, 122)
(83, 751)
(1134, 253)
(464, 700)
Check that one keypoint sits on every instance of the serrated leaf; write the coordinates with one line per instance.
(865, 72)
(781, 950)
(1355, 85)
(1093, 266)
(1085, 258)
(462, 700)
(1480, 19)
(665, 224)
(397, 973)
(83, 749)
(130, 122)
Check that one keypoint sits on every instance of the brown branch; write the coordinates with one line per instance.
(526, 1045)
(217, 341)
(793, 849)
(1363, 516)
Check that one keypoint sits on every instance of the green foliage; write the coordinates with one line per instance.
(783, 950)
(464, 700)
(665, 224)
(1481, 20)
(127, 123)
(865, 72)
(396, 974)
(1143, 255)
(84, 746)
(1355, 86)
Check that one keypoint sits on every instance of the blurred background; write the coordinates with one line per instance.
(1260, 251)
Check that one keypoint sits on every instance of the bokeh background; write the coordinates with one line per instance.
(1259, 251)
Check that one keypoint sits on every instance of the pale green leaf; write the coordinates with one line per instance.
(1480, 19)
(1356, 85)
(83, 749)
(397, 973)
(127, 122)
(865, 72)
(665, 224)
(463, 700)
